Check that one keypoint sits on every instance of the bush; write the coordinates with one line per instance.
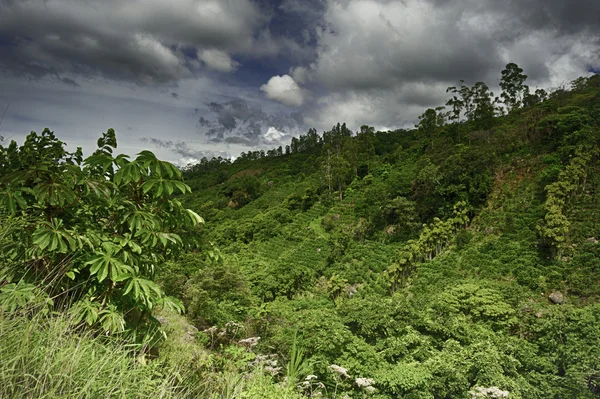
(92, 232)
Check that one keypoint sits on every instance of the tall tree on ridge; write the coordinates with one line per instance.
(513, 86)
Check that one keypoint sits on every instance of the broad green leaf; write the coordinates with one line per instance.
(194, 217)
(130, 172)
(112, 320)
(85, 310)
(147, 186)
(103, 161)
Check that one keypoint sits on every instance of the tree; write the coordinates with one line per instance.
(338, 170)
(93, 231)
(456, 103)
(537, 97)
(513, 88)
(294, 145)
(483, 113)
(466, 95)
(366, 143)
(428, 125)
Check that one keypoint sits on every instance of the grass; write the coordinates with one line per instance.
(43, 357)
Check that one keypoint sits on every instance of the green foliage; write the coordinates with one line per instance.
(555, 228)
(216, 295)
(297, 367)
(24, 297)
(405, 261)
(433, 238)
(514, 91)
(426, 275)
(94, 230)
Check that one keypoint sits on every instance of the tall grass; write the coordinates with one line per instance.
(42, 357)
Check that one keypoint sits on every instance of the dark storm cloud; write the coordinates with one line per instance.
(384, 61)
(298, 19)
(139, 41)
(565, 17)
(69, 82)
(382, 42)
(561, 16)
(237, 122)
(239, 140)
(228, 113)
(184, 150)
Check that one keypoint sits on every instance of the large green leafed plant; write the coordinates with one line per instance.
(91, 232)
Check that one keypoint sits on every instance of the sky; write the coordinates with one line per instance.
(193, 78)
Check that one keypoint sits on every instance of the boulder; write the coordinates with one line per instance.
(556, 298)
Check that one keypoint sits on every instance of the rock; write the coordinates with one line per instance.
(191, 333)
(593, 240)
(351, 291)
(556, 298)
(491, 392)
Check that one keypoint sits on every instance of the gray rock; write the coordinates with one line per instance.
(556, 298)
(190, 333)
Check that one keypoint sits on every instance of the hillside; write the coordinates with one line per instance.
(459, 259)
(388, 282)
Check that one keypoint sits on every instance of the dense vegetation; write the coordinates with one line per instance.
(459, 259)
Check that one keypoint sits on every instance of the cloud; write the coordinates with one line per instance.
(69, 82)
(143, 41)
(285, 90)
(240, 140)
(273, 136)
(383, 62)
(217, 60)
(237, 122)
(187, 153)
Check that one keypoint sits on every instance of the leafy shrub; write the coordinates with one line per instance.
(95, 230)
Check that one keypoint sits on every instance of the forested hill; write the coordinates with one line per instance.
(459, 254)
(459, 259)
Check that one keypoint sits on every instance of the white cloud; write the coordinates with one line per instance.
(273, 136)
(284, 89)
(217, 60)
